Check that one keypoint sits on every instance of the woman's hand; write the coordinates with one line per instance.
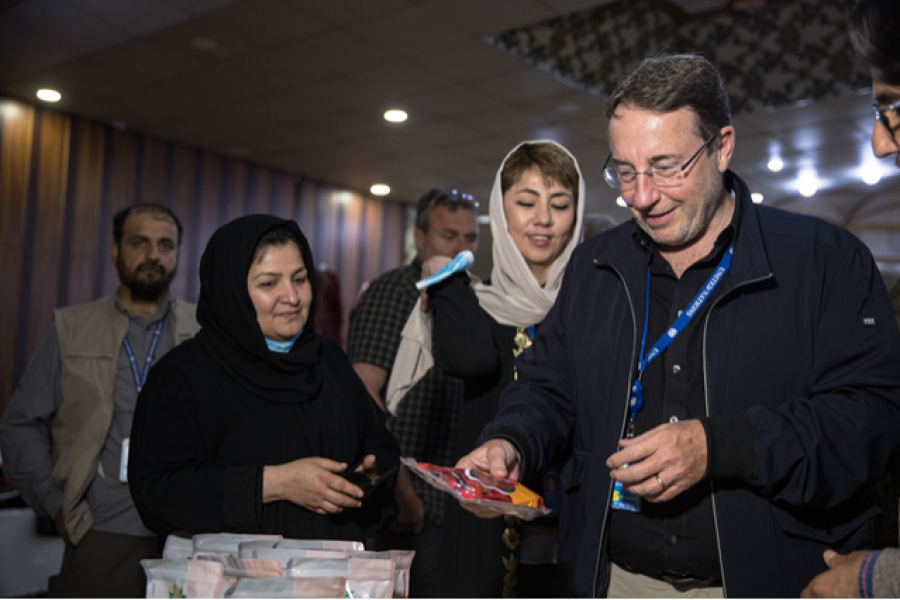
(314, 484)
(429, 268)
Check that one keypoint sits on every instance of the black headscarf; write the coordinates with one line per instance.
(231, 332)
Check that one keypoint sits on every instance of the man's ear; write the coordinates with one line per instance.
(114, 253)
(725, 147)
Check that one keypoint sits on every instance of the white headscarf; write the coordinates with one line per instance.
(514, 298)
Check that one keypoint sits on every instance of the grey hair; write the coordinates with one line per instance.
(440, 197)
(666, 83)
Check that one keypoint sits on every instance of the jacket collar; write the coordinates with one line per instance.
(750, 261)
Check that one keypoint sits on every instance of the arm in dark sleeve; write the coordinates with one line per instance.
(379, 510)
(25, 430)
(173, 483)
(822, 449)
(536, 412)
(462, 342)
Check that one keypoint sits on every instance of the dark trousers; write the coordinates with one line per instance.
(104, 565)
(423, 577)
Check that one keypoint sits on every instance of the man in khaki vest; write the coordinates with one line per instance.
(64, 437)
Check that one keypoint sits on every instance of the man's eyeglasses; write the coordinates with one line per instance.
(662, 175)
(882, 117)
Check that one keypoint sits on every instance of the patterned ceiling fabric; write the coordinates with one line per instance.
(781, 54)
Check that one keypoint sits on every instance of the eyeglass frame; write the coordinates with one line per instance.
(609, 178)
(882, 118)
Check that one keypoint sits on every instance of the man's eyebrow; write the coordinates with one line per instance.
(885, 99)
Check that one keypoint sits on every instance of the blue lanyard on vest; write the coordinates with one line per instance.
(530, 330)
(637, 390)
(141, 377)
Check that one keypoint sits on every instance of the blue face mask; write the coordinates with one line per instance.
(282, 347)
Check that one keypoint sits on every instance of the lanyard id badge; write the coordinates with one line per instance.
(140, 378)
(623, 499)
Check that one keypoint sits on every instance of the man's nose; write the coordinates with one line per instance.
(883, 143)
(645, 191)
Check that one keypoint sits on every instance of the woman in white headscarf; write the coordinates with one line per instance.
(536, 209)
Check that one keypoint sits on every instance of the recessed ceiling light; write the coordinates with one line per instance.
(807, 184)
(484, 219)
(379, 189)
(9, 110)
(49, 95)
(757, 198)
(775, 164)
(205, 44)
(395, 116)
(871, 174)
(621, 202)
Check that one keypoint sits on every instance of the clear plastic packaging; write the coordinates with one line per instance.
(472, 486)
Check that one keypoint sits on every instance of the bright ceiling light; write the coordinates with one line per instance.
(870, 173)
(395, 116)
(807, 184)
(621, 202)
(9, 110)
(757, 198)
(775, 164)
(49, 95)
(379, 189)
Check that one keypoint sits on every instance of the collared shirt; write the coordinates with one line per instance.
(677, 536)
(426, 419)
(37, 400)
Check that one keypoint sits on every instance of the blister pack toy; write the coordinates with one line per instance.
(480, 487)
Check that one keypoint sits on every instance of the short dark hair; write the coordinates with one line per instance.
(667, 83)
(436, 197)
(120, 217)
(554, 163)
(875, 31)
(278, 237)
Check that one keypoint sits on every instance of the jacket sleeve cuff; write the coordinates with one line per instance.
(242, 499)
(514, 437)
(885, 574)
(730, 447)
(866, 572)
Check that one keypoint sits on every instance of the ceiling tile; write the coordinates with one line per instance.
(266, 23)
(408, 32)
(347, 13)
(327, 55)
(392, 82)
(522, 85)
(452, 101)
(199, 7)
(484, 18)
(565, 7)
(471, 61)
(134, 17)
(42, 33)
(502, 120)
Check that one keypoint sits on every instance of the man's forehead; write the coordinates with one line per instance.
(147, 222)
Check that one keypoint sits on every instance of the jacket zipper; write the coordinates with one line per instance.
(622, 427)
(712, 490)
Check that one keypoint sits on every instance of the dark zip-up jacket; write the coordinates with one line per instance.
(801, 360)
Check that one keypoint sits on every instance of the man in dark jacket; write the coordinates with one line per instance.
(874, 30)
(742, 360)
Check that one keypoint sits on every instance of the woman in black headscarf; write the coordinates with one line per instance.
(249, 427)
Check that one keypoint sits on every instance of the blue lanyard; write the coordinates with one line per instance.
(530, 331)
(637, 390)
(139, 377)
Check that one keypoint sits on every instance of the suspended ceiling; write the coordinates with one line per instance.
(301, 86)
